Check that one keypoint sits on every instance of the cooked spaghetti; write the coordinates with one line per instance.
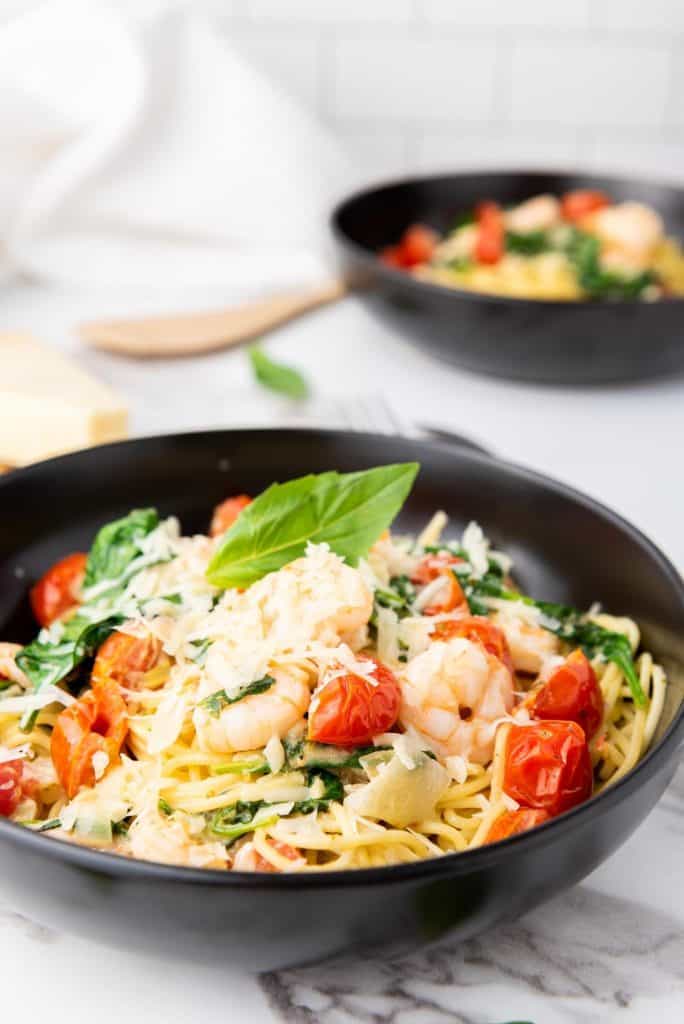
(580, 247)
(323, 716)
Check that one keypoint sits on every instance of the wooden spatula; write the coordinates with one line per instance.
(191, 333)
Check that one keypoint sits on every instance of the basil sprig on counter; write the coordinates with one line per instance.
(58, 651)
(277, 376)
(348, 511)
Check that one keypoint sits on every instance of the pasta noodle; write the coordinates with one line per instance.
(432, 776)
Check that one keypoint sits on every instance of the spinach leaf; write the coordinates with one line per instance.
(47, 662)
(399, 595)
(306, 754)
(531, 243)
(216, 702)
(117, 544)
(584, 252)
(332, 790)
(567, 623)
(348, 511)
(202, 646)
(164, 806)
(276, 376)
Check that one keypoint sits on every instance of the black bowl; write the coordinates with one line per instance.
(553, 342)
(566, 547)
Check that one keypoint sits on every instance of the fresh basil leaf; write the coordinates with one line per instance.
(46, 662)
(530, 243)
(349, 511)
(305, 754)
(216, 702)
(276, 376)
(117, 544)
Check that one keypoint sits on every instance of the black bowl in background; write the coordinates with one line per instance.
(566, 548)
(553, 342)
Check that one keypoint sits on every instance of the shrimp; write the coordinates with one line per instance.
(8, 665)
(537, 214)
(530, 645)
(248, 858)
(250, 723)
(629, 233)
(454, 694)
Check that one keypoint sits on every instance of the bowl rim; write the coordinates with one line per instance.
(396, 275)
(431, 868)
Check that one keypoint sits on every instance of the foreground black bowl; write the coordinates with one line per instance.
(553, 342)
(566, 548)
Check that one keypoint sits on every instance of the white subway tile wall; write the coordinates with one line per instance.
(414, 85)
(420, 85)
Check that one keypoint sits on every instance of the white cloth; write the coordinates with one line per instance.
(144, 151)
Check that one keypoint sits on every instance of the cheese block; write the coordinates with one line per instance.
(49, 405)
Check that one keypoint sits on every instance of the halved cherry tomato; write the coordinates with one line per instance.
(548, 766)
(576, 205)
(11, 790)
(489, 245)
(416, 246)
(58, 590)
(480, 630)
(512, 823)
(430, 568)
(572, 693)
(122, 660)
(348, 710)
(227, 512)
(95, 722)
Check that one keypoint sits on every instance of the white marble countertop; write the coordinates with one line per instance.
(610, 950)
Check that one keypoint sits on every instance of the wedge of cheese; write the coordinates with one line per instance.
(49, 406)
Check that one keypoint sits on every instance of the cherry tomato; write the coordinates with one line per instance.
(10, 786)
(489, 245)
(284, 849)
(227, 512)
(416, 246)
(350, 711)
(572, 693)
(576, 205)
(122, 660)
(95, 722)
(430, 568)
(58, 590)
(548, 766)
(480, 630)
(512, 823)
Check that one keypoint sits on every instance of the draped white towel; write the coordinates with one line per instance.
(141, 149)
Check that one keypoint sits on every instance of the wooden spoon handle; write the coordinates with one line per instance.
(192, 333)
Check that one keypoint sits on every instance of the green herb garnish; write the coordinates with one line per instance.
(164, 806)
(584, 252)
(568, 624)
(216, 702)
(531, 243)
(349, 511)
(202, 646)
(117, 544)
(276, 376)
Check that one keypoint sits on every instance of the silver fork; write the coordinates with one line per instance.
(374, 415)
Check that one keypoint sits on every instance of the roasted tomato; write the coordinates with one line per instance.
(480, 630)
(576, 205)
(348, 710)
(431, 568)
(512, 823)
(416, 246)
(122, 660)
(284, 849)
(548, 766)
(58, 590)
(96, 722)
(226, 513)
(572, 693)
(11, 790)
(489, 245)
